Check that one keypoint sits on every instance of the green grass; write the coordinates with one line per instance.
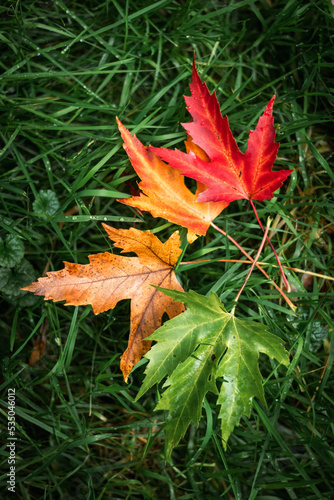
(67, 70)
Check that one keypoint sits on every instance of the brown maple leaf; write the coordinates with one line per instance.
(109, 278)
(164, 193)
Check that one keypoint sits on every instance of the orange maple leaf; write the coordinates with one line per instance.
(165, 193)
(109, 278)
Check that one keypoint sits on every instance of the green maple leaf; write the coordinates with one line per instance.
(197, 347)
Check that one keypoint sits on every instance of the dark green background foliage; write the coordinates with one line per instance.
(67, 69)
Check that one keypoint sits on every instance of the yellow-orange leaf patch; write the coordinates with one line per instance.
(164, 193)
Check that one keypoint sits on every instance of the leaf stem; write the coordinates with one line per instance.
(287, 285)
(296, 269)
(288, 301)
(253, 264)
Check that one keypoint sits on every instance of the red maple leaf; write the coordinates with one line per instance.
(229, 174)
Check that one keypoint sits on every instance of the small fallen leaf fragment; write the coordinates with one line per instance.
(164, 193)
(109, 278)
(38, 350)
(229, 173)
(204, 344)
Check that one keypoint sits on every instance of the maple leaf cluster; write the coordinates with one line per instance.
(223, 174)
